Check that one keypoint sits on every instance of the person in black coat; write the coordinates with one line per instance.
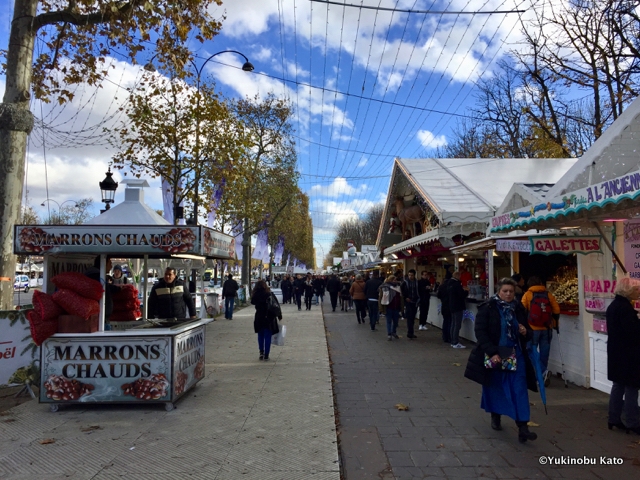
(424, 291)
(623, 356)
(309, 290)
(502, 331)
(443, 296)
(457, 295)
(371, 292)
(169, 298)
(298, 290)
(265, 324)
(333, 287)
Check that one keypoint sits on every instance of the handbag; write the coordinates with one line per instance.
(278, 338)
(508, 363)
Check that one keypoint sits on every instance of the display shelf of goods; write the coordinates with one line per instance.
(564, 286)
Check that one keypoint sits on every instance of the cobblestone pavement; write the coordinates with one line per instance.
(445, 433)
(246, 420)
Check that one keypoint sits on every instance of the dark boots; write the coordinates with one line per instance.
(495, 421)
(523, 432)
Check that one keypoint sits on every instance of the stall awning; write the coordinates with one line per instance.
(443, 234)
(412, 242)
(597, 200)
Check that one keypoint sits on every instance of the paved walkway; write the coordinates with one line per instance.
(445, 433)
(246, 420)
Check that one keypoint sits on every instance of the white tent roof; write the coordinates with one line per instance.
(133, 211)
(614, 154)
(471, 189)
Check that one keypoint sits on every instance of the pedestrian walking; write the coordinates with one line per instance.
(500, 362)
(359, 298)
(298, 290)
(265, 323)
(623, 356)
(457, 304)
(544, 312)
(443, 295)
(371, 293)
(424, 293)
(308, 291)
(229, 290)
(286, 289)
(345, 296)
(411, 298)
(390, 297)
(333, 287)
(318, 287)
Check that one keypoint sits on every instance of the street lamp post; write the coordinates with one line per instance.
(246, 67)
(59, 206)
(108, 188)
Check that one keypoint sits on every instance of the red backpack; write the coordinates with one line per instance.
(540, 310)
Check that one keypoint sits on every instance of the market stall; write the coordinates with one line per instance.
(434, 205)
(153, 361)
(596, 199)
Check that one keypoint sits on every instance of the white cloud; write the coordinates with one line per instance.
(339, 187)
(363, 161)
(428, 140)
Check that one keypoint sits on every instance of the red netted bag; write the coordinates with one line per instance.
(45, 307)
(40, 329)
(75, 304)
(125, 316)
(123, 305)
(125, 292)
(80, 284)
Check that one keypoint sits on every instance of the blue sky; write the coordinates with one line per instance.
(367, 86)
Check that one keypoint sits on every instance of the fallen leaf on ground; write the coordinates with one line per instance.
(455, 364)
(91, 428)
(441, 445)
(532, 424)
(402, 407)
(47, 441)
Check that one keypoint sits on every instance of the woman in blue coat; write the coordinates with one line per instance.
(623, 356)
(502, 329)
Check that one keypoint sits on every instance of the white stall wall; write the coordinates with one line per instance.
(467, 331)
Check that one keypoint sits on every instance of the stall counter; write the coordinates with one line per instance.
(140, 365)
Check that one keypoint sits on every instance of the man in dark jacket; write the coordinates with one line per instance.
(298, 290)
(424, 292)
(169, 298)
(333, 287)
(443, 296)
(411, 299)
(285, 286)
(371, 292)
(229, 290)
(457, 304)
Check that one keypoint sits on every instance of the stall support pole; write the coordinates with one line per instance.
(490, 273)
(103, 275)
(610, 247)
(145, 298)
(456, 262)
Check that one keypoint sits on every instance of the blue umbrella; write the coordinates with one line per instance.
(534, 356)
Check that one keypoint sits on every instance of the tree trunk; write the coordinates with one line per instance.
(16, 122)
(246, 257)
